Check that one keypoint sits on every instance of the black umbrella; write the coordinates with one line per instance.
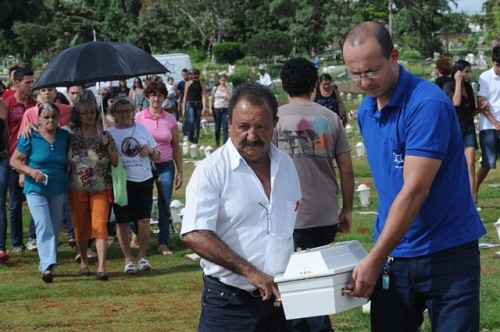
(98, 62)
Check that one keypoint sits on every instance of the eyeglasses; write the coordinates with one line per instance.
(370, 75)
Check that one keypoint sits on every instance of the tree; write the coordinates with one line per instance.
(10, 12)
(418, 22)
(266, 45)
(30, 39)
(492, 20)
(228, 52)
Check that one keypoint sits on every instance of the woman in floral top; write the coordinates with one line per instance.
(92, 151)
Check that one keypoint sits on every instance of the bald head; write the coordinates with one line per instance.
(365, 31)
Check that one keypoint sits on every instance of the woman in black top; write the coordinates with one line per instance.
(460, 91)
(328, 96)
(193, 105)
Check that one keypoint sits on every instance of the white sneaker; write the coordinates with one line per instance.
(130, 268)
(31, 245)
(143, 265)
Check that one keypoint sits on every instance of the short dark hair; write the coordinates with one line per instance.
(299, 77)
(77, 85)
(495, 54)
(195, 71)
(361, 32)
(21, 72)
(185, 70)
(255, 94)
(14, 68)
(325, 77)
(156, 87)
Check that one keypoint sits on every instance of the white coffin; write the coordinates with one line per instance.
(313, 280)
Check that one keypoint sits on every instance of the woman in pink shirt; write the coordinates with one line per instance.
(163, 127)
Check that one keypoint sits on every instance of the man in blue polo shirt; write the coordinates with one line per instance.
(426, 253)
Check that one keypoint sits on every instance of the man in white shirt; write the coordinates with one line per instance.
(264, 77)
(241, 205)
(489, 121)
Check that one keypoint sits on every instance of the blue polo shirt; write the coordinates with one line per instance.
(51, 159)
(420, 120)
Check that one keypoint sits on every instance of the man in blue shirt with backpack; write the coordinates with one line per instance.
(426, 253)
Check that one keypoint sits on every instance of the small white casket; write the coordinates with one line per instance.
(313, 280)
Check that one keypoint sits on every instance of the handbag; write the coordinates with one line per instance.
(119, 175)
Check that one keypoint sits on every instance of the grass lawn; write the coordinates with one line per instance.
(168, 298)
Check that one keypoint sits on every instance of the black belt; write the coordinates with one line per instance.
(219, 285)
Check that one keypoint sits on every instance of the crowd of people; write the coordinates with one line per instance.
(58, 152)
(271, 188)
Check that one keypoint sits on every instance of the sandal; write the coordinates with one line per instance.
(84, 271)
(103, 276)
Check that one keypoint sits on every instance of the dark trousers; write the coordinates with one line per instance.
(192, 120)
(446, 283)
(305, 239)
(9, 182)
(221, 124)
(230, 309)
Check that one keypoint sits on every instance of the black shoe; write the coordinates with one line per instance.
(47, 276)
(103, 276)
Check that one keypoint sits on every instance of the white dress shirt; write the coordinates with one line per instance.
(265, 80)
(225, 196)
(489, 88)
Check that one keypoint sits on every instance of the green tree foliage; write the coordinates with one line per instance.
(266, 28)
(492, 20)
(418, 22)
(229, 52)
(266, 45)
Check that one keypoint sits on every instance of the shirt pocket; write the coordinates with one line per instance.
(283, 221)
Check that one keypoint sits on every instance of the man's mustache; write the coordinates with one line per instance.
(254, 144)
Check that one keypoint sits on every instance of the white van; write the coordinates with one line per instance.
(175, 63)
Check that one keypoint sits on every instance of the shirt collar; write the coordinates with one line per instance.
(236, 159)
(494, 74)
(397, 97)
(149, 115)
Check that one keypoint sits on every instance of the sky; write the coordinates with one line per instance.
(469, 6)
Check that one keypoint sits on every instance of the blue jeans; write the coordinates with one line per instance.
(164, 184)
(305, 239)
(9, 182)
(226, 308)
(221, 123)
(47, 213)
(68, 224)
(489, 140)
(446, 283)
(192, 120)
